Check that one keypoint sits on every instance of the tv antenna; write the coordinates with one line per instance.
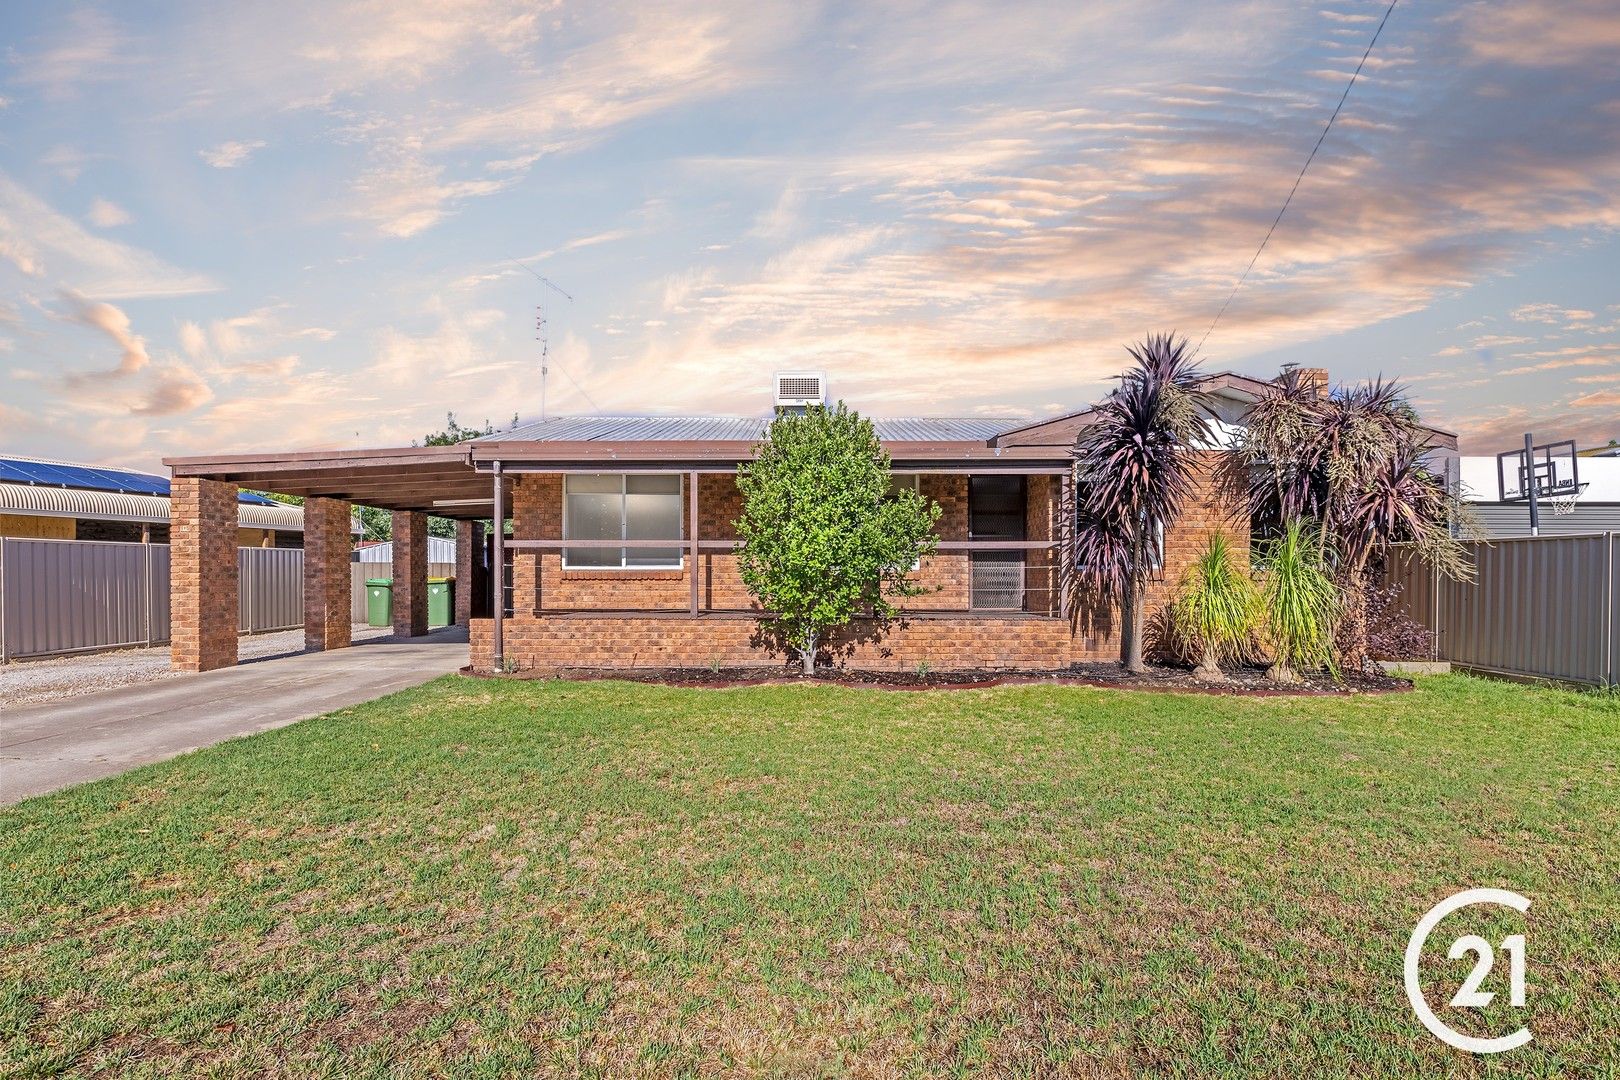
(542, 335)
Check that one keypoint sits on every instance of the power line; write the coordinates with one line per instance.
(1319, 139)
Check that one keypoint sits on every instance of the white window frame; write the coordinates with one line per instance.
(678, 543)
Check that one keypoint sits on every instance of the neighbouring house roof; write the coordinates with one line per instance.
(37, 500)
(46, 472)
(735, 429)
(1241, 389)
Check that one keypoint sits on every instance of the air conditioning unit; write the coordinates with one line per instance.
(798, 389)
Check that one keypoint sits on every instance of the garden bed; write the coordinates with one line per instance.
(1243, 681)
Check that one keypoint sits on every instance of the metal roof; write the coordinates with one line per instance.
(736, 429)
(42, 501)
(20, 469)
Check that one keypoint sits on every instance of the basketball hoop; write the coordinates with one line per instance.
(1563, 503)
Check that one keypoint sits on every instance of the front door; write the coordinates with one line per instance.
(997, 510)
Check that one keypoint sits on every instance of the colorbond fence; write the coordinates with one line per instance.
(1540, 607)
(360, 571)
(67, 596)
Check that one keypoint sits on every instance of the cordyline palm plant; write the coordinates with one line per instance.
(1217, 608)
(1137, 463)
(1301, 603)
(1354, 463)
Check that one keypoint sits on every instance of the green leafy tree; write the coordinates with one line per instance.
(452, 434)
(824, 537)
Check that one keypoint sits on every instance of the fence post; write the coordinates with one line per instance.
(146, 605)
(5, 654)
(1611, 614)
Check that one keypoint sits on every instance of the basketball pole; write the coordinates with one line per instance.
(1530, 468)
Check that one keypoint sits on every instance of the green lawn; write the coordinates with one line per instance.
(615, 879)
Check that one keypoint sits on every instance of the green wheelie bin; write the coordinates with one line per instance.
(380, 601)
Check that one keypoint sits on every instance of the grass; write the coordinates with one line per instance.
(481, 879)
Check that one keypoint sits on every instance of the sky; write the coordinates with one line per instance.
(311, 225)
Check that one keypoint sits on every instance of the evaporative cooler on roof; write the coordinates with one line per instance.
(797, 389)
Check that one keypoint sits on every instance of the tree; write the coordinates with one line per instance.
(452, 434)
(1136, 463)
(1354, 464)
(824, 539)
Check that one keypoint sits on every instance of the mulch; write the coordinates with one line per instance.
(1241, 682)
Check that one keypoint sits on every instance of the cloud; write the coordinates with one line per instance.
(1601, 399)
(1552, 314)
(40, 242)
(242, 346)
(408, 194)
(114, 323)
(1566, 34)
(231, 154)
(177, 389)
(89, 49)
(108, 215)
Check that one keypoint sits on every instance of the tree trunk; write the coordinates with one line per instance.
(1135, 627)
(1209, 668)
(808, 656)
(1353, 625)
(1280, 672)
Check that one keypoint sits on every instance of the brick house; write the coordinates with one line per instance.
(621, 550)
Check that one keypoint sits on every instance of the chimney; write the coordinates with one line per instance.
(1316, 378)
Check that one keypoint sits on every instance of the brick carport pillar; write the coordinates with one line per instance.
(328, 584)
(469, 554)
(203, 605)
(410, 573)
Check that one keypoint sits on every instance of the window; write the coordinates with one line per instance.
(621, 506)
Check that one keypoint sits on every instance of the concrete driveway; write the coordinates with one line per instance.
(47, 747)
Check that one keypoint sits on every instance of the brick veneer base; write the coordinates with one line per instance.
(675, 640)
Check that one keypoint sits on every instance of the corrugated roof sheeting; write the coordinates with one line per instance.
(39, 500)
(735, 429)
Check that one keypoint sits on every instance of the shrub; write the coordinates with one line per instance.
(1392, 634)
(1217, 609)
(1301, 603)
(823, 538)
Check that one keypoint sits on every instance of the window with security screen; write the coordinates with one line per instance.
(620, 506)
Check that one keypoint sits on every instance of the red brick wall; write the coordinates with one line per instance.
(410, 573)
(203, 612)
(327, 582)
(942, 642)
(1206, 511)
(540, 584)
(646, 641)
(469, 547)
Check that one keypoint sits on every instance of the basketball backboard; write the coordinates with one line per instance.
(1552, 467)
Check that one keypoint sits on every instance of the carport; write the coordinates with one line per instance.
(411, 482)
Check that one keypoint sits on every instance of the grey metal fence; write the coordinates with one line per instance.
(360, 571)
(270, 589)
(66, 596)
(1541, 607)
